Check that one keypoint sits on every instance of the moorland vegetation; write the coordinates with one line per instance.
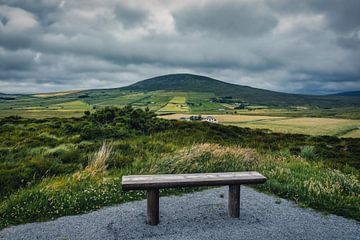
(53, 167)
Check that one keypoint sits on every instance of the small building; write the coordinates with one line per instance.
(210, 119)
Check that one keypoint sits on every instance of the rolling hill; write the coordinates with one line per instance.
(201, 94)
(196, 83)
(352, 93)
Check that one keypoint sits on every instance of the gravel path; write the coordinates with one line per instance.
(200, 215)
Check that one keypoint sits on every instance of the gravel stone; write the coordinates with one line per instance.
(200, 215)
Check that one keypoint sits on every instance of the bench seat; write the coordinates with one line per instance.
(143, 182)
(152, 183)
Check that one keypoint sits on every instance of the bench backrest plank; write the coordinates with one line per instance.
(134, 182)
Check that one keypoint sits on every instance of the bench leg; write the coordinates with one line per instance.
(152, 206)
(234, 201)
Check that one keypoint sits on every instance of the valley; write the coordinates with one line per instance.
(236, 105)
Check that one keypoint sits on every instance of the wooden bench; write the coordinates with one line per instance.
(152, 183)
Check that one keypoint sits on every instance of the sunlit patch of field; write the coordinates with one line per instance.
(352, 134)
(55, 94)
(67, 109)
(123, 99)
(301, 125)
(40, 114)
(180, 100)
(176, 104)
(227, 118)
(310, 126)
(73, 105)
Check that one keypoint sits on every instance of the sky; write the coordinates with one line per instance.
(310, 46)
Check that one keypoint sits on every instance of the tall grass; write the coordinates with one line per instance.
(49, 175)
(307, 183)
(98, 162)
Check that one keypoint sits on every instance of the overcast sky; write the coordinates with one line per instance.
(293, 46)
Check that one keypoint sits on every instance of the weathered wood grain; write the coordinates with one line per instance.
(152, 206)
(234, 201)
(135, 182)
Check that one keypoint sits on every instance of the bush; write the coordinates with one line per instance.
(308, 152)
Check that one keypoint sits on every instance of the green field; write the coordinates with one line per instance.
(55, 167)
(301, 125)
(338, 120)
(73, 105)
(176, 104)
(341, 122)
(354, 133)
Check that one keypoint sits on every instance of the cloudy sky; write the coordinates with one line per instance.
(310, 46)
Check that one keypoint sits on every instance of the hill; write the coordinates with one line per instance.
(196, 83)
(176, 93)
(352, 94)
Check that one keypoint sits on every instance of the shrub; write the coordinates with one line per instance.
(308, 152)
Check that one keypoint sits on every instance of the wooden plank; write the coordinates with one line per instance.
(134, 182)
(153, 206)
(234, 201)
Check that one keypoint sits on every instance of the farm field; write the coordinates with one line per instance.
(304, 120)
(176, 104)
(354, 134)
(74, 105)
(54, 94)
(41, 114)
(305, 125)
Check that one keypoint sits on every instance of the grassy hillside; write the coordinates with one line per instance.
(51, 167)
(352, 93)
(195, 83)
(156, 92)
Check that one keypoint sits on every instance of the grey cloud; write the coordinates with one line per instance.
(92, 44)
(350, 42)
(130, 16)
(15, 60)
(44, 10)
(4, 20)
(342, 16)
(226, 18)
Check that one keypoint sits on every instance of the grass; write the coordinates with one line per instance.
(73, 105)
(229, 118)
(310, 126)
(176, 104)
(98, 163)
(309, 184)
(54, 94)
(353, 134)
(41, 114)
(61, 166)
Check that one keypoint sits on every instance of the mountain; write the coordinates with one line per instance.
(196, 83)
(349, 94)
(183, 83)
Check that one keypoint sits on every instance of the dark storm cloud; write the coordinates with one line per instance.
(3, 20)
(292, 46)
(342, 16)
(14, 61)
(130, 16)
(45, 11)
(226, 18)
